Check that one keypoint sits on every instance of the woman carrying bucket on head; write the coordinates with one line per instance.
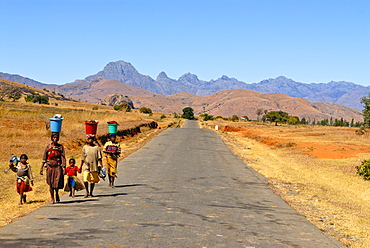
(112, 151)
(54, 158)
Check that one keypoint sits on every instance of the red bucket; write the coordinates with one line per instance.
(91, 127)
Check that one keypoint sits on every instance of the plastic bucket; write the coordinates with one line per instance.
(56, 125)
(112, 128)
(91, 127)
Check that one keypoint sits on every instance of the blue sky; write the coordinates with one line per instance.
(309, 41)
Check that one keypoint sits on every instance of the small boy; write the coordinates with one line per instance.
(73, 182)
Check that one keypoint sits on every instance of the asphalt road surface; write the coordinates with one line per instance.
(183, 189)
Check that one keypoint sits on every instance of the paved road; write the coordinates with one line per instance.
(183, 189)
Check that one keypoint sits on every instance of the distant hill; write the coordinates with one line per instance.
(25, 90)
(344, 93)
(246, 102)
(223, 103)
(22, 80)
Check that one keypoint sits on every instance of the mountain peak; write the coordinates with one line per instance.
(188, 77)
(162, 75)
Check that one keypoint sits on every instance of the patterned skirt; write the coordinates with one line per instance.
(22, 187)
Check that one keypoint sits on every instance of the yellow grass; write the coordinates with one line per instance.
(23, 130)
(326, 191)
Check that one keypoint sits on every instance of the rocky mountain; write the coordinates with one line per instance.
(96, 90)
(344, 93)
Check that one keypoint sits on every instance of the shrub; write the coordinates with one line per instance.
(207, 117)
(234, 118)
(364, 169)
(123, 107)
(145, 110)
(36, 98)
(162, 117)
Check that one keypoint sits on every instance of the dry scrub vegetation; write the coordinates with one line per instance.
(23, 130)
(313, 169)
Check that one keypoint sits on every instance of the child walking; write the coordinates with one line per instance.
(24, 177)
(73, 182)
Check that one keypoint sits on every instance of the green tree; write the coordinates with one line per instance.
(366, 111)
(293, 120)
(36, 98)
(276, 116)
(188, 113)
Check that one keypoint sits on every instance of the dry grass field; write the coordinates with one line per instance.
(23, 130)
(313, 169)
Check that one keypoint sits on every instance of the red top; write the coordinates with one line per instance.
(72, 171)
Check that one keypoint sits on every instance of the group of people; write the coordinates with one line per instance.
(54, 162)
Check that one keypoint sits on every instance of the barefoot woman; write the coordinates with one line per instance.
(54, 158)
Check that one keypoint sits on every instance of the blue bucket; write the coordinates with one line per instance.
(56, 125)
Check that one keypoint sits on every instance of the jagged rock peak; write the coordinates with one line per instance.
(188, 77)
(120, 67)
(162, 75)
(224, 77)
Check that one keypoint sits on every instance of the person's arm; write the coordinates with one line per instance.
(44, 157)
(63, 160)
(30, 175)
(100, 157)
(82, 158)
(118, 149)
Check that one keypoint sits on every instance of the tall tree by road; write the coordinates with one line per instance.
(188, 113)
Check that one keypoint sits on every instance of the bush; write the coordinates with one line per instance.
(234, 118)
(123, 107)
(207, 117)
(145, 110)
(364, 169)
(162, 117)
(36, 98)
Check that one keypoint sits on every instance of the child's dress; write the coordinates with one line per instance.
(73, 180)
(24, 178)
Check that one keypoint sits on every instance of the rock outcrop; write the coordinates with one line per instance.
(117, 99)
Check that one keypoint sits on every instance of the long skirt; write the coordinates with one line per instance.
(55, 177)
(22, 187)
(111, 165)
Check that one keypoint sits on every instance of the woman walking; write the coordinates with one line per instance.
(54, 158)
(112, 151)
